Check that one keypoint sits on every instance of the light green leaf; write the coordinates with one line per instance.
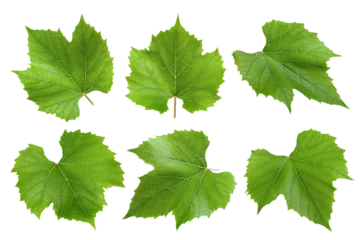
(181, 182)
(293, 58)
(304, 177)
(76, 184)
(175, 67)
(62, 72)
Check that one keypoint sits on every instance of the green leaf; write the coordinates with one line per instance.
(62, 72)
(304, 177)
(181, 182)
(293, 58)
(76, 184)
(175, 67)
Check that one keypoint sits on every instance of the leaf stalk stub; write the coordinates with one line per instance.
(174, 108)
(88, 99)
(211, 169)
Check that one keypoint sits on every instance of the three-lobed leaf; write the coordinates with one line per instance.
(175, 67)
(76, 184)
(62, 72)
(293, 58)
(304, 177)
(181, 181)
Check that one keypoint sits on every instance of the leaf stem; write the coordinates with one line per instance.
(88, 99)
(174, 106)
(211, 169)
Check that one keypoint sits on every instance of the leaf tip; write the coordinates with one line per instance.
(352, 179)
(347, 107)
(328, 227)
(288, 108)
(94, 228)
(339, 55)
(27, 27)
(126, 216)
(178, 17)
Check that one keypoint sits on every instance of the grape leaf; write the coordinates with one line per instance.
(76, 184)
(62, 72)
(175, 67)
(304, 177)
(293, 58)
(181, 182)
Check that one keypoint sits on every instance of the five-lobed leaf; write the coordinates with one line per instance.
(62, 72)
(175, 67)
(304, 177)
(180, 181)
(293, 58)
(76, 184)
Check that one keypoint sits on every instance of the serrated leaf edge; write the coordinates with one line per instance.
(171, 214)
(346, 107)
(51, 204)
(177, 21)
(56, 116)
(258, 211)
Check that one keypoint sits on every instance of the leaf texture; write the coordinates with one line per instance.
(180, 181)
(62, 72)
(293, 58)
(304, 177)
(76, 184)
(175, 67)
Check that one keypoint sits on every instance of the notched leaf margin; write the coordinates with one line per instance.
(171, 214)
(152, 35)
(50, 208)
(351, 179)
(28, 28)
